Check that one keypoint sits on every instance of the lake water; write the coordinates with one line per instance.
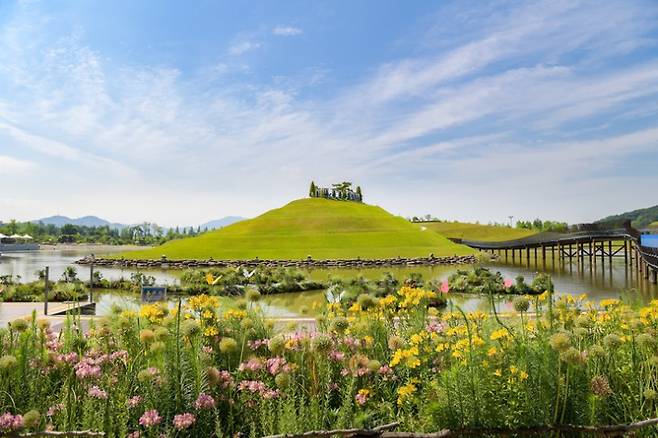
(607, 281)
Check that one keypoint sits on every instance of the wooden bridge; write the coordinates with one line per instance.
(594, 246)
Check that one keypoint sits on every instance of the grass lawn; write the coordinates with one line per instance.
(653, 225)
(486, 233)
(321, 228)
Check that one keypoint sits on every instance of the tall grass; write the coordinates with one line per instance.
(200, 371)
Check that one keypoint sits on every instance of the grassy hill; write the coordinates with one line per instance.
(641, 218)
(486, 233)
(321, 228)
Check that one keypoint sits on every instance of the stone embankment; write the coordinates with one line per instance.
(304, 263)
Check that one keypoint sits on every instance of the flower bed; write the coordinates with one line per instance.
(201, 371)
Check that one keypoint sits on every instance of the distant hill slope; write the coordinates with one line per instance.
(87, 221)
(220, 223)
(321, 228)
(641, 218)
(485, 233)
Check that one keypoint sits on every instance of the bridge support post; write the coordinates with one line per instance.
(610, 250)
(625, 252)
(594, 253)
(590, 252)
(654, 276)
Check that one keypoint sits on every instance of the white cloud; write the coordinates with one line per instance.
(241, 47)
(9, 165)
(287, 31)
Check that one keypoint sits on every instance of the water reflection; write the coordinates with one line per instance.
(599, 281)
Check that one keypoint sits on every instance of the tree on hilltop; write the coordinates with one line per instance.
(312, 191)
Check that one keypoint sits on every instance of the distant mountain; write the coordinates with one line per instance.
(87, 221)
(95, 221)
(221, 223)
(641, 218)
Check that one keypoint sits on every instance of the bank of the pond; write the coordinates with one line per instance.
(308, 263)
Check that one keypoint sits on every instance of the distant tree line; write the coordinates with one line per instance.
(340, 191)
(142, 234)
(539, 225)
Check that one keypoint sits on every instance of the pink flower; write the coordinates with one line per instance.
(207, 349)
(134, 434)
(133, 402)
(385, 370)
(9, 422)
(336, 355)
(445, 287)
(150, 418)
(96, 392)
(361, 398)
(258, 387)
(254, 364)
(255, 345)
(275, 365)
(508, 283)
(183, 421)
(204, 401)
(87, 369)
(55, 409)
(435, 327)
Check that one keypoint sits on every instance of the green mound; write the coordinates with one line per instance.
(484, 233)
(321, 228)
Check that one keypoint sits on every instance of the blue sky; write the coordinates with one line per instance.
(181, 112)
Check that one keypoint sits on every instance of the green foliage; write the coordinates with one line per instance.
(399, 361)
(483, 281)
(641, 218)
(539, 225)
(317, 227)
(142, 234)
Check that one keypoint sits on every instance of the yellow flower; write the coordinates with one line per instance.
(369, 340)
(498, 373)
(513, 369)
(414, 296)
(202, 302)
(387, 301)
(235, 314)
(492, 351)
(478, 315)
(153, 312)
(523, 376)
(210, 332)
(409, 356)
(405, 392)
(610, 302)
(499, 334)
(364, 392)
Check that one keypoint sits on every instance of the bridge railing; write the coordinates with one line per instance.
(550, 238)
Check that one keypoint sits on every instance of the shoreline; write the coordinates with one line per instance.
(304, 263)
(100, 247)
